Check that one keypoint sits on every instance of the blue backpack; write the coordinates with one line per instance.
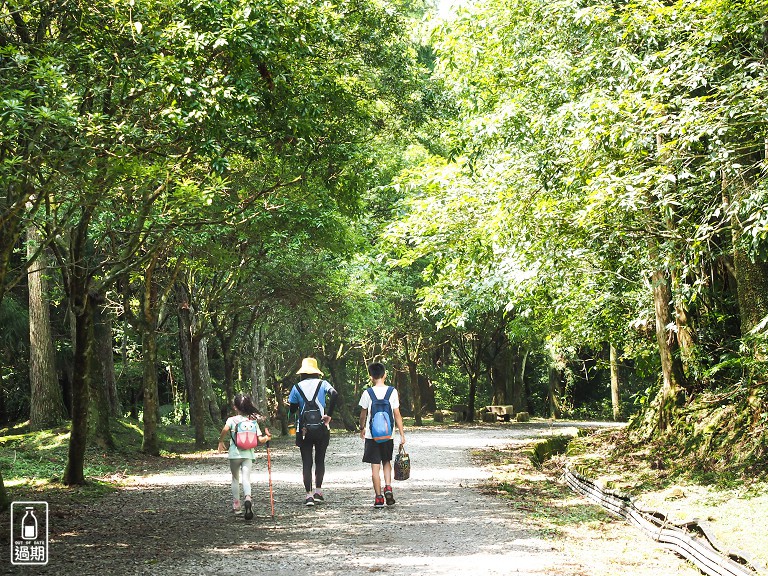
(382, 418)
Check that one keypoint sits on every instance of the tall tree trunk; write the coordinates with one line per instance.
(413, 383)
(106, 357)
(412, 353)
(337, 366)
(100, 408)
(751, 288)
(282, 412)
(259, 371)
(467, 348)
(185, 331)
(671, 395)
(189, 344)
(229, 359)
(149, 320)
(427, 391)
(751, 272)
(519, 398)
(473, 377)
(211, 403)
(501, 375)
(151, 443)
(615, 376)
(73, 473)
(555, 392)
(77, 279)
(197, 405)
(685, 333)
(46, 401)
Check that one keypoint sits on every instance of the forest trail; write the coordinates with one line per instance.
(178, 522)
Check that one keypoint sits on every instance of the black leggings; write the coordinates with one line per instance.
(320, 447)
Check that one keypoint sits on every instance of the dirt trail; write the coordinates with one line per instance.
(178, 522)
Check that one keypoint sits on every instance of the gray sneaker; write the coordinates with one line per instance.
(310, 501)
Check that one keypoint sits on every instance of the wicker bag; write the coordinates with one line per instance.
(402, 465)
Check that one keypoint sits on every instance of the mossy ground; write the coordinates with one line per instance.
(33, 462)
(731, 498)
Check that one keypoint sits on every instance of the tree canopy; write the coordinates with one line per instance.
(493, 201)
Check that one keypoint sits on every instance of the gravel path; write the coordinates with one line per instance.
(178, 522)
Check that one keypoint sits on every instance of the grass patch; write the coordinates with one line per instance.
(33, 462)
(536, 489)
(732, 500)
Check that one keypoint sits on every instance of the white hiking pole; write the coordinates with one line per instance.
(269, 470)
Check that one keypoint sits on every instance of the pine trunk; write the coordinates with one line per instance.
(46, 401)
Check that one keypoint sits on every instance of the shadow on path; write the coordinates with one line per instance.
(179, 522)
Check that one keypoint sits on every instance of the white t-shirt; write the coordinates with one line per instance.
(379, 392)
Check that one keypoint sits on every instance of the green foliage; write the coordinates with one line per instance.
(450, 387)
(174, 413)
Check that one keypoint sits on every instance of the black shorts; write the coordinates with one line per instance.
(375, 453)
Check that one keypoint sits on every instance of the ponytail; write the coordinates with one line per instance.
(245, 406)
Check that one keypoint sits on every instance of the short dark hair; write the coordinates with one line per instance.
(376, 370)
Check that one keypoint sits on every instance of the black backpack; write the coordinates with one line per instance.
(311, 418)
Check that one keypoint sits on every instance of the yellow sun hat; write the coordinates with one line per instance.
(309, 366)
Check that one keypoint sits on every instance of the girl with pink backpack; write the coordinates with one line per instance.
(244, 435)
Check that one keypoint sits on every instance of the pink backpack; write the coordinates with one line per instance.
(245, 435)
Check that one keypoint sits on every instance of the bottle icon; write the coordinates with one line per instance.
(29, 525)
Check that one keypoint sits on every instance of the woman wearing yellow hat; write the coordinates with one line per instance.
(312, 400)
